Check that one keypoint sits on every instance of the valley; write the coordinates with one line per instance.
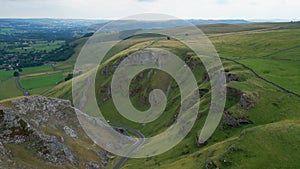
(261, 121)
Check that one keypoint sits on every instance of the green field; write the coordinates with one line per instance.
(41, 81)
(36, 69)
(36, 46)
(48, 46)
(8, 89)
(282, 72)
(5, 74)
(256, 44)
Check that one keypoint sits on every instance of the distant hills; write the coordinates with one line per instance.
(20, 23)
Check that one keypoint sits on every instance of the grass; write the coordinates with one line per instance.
(48, 46)
(269, 146)
(40, 91)
(36, 69)
(255, 44)
(41, 81)
(8, 89)
(39, 46)
(6, 74)
(282, 72)
(270, 142)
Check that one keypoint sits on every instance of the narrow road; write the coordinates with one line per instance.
(134, 148)
(25, 91)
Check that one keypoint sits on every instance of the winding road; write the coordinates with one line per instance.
(134, 148)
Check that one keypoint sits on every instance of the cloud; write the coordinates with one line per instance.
(223, 1)
(115, 9)
(146, 0)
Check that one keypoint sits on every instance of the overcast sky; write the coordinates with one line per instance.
(186, 9)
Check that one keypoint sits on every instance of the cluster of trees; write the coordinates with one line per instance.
(61, 54)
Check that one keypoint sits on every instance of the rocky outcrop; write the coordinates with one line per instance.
(92, 165)
(229, 120)
(4, 153)
(231, 77)
(246, 101)
(103, 156)
(44, 126)
(14, 129)
(50, 149)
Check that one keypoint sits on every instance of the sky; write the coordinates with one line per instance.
(184, 9)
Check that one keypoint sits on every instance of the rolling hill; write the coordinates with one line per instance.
(261, 121)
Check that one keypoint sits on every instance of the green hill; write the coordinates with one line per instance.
(261, 122)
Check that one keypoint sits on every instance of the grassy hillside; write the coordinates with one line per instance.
(272, 132)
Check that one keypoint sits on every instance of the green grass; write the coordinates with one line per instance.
(39, 46)
(8, 89)
(68, 65)
(48, 46)
(282, 72)
(41, 81)
(40, 91)
(275, 115)
(36, 69)
(5, 74)
(269, 146)
(255, 44)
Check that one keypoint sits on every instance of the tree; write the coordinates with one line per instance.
(16, 74)
(70, 76)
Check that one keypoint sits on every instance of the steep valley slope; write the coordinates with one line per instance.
(260, 127)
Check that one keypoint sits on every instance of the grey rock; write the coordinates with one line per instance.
(32, 121)
(92, 165)
(50, 149)
(231, 121)
(70, 132)
(246, 101)
(231, 77)
(5, 154)
(103, 155)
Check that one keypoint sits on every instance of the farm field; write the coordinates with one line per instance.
(5, 74)
(32, 82)
(8, 89)
(36, 69)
